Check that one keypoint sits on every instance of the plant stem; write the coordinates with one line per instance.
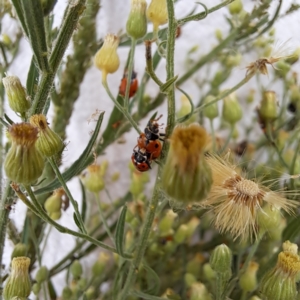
(213, 135)
(103, 219)
(157, 193)
(69, 194)
(129, 74)
(228, 139)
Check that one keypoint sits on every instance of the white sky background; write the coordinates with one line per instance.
(112, 19)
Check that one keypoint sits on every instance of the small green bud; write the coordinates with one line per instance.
(90, 293)
(268, 107)
(219, 35)
(220, 259)
(194, 265)
(199, 292)
(157, 13)
(282, 68)
(208, 273)
(138, 182)
(67, 293)
(42, 274)
(186, 176)
(24, 163)
(136, 25)
(53, 204)
(100, 264)
(6, 40)
(107, 59)
(189, 279)
(248, 280)
(18, 282)
(210, 111)
(233, 60)
(268, 217)
(250, 96)
(294, 57)
(181, 234)
(36, 288)
(93, 179)
(55, 215)
(255, 298)
(76, 269)
(295, 95)
(48, 143)
(16, 94)
(235, 7)
(185, 109)
(19, 250)
(167, 222)
(232, 111)
(192, 224)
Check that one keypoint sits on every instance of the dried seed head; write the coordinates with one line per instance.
(236, 201)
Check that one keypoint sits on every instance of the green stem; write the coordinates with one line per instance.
(120, 108)
(69, 194)
(129, 74)
(219, 286)
(157, 193)
(73, 12)
(213, 135)
(37, 208)
(103, 219)
(227, 140)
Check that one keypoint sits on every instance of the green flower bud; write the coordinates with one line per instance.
(235, 7)
(42, 274)
(6, 40)
(48, 143)
(255, 298)
(181, 234)
(268, 107)
(248, 280)
(185, 109)
(167, 222)
(208, 273)
(220, 259)
(194, 265)
(157, 13)
(76, 269)
(250, 97)
(295, 95)
(294, 57)
(55, 215)
(233, 60)
(19, 250)
(219, 35)
(67, 293)
(199, 292)
(24, 163)
(210, 111)
(107, 59)
(16, 94)
(136, 25)
(138, 182)
(36, 288)
(282, 68)
(100, 264)
(93, 179)
(232, 111)
(53, 204)
(186, 176)
(192, 224)
(268, 217)
(90, 293)
(189, 279)
(18, 283)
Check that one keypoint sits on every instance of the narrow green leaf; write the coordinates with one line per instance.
(32, 79)
(76, 221)
(117, 284)
(20, 14)
(153, 279)
(52, 292)
(84, 206)
(120, 231)
(79, 165)
(165, 87)
(292, 230)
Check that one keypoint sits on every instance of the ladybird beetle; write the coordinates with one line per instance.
(152, 130)
(153, 147)
(133, 84)
(140, 159)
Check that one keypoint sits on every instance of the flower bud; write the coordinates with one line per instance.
(208, 273)
(53, 204)
(250, 96)
(107, 59)
(19, 250)
(42, 274)
(192, 224)
(219, 35)
(185, 109)
(186, 176)
(210, 111)
(294, 57)
(138, 181)
(235, 7)
(36, 288)
(232, 111)
(199, 292)
(181, 234)
(16, 94)
(92, 178)
(255, 298)
(24, 163)
(136, 25)
(189, 279)
(248, 280)
(18, 283)
(90, 293)
(220, 259)
(157, 13)
(167, 222)
(282, 69)
(100, 264)
(55, 215)
(67, 293)
(287, 246)
(48, 143)
(268, 217)
(268, 107)
(76, 269)
(280, 282)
